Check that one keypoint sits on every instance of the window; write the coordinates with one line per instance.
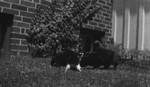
(5, 23)
(88, 37)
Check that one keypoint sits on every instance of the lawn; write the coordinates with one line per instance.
(27, 72)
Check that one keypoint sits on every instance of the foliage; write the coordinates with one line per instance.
(58, 24)
(137, 58)
(136, 54)
(116, 48)
(132, 57)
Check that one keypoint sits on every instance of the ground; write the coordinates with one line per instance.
(27, 72)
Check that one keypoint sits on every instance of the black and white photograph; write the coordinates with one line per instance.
(74, 43)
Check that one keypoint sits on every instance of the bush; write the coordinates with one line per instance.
(138, 58)
(58, 25)
(132, 57)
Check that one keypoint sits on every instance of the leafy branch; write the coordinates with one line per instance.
(58, 24)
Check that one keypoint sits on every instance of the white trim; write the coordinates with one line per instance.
(128, 37)
(115, 26)
(143, 27)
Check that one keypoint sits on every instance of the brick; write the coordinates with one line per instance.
(110, 31)
(93, 23)
(99, 13)
(98, 16)
(27, 3)
(100, 1)
(11, 11)
(109, 11)
(14, 52)
(105, 30)
(21, 24)
(31, 10)
(106, 14)
(19, 7)
(4, 4)
(37, 1)
(23, 30)
(15, 41)
(97, 28)
(29, 0)
(110, 8)
(108, 19)
(109, 4)
(27, 30)
(24, 53)
(99, 4)
(19, 47)
(102, 17)
(15, 29)
(108, 27)
(106, 22)
(26, 14)
(19, 36)
(25, 19)
(41, 6)
(103, 10)
(110, 23)
(44, 2)
(97, 20)
(106, 7)
(12, 1)
(107, 33)
(24, 42)
(88, 26)
(110, 15)
(101, 25)
(17, 18)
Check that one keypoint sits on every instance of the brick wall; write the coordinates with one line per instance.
(102, 20)
(23, 10)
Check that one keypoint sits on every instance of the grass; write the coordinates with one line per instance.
(27, 72)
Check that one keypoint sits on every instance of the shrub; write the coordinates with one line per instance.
(137, 58)
(132, 57)
(58, 25)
